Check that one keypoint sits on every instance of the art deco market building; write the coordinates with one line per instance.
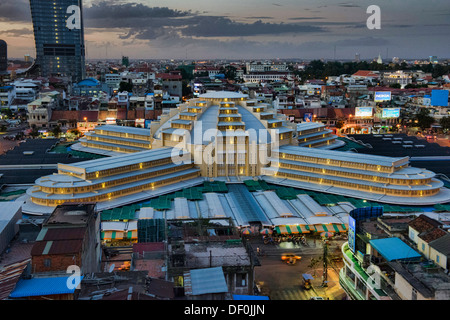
(228, 137)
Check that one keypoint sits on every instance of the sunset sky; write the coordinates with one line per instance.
(246, 29)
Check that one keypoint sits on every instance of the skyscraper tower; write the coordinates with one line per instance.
(3, 56)
(59, 38)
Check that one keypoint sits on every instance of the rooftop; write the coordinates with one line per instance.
(393, 249)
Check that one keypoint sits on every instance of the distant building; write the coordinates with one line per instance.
(59, 50)
(125, 61)
(3, 56)
(69, 237)
(382, 266)
(379, 60)
(397, 77)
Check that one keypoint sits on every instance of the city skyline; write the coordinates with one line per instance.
(283, 29)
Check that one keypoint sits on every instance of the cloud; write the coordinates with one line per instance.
(107, 10)
(15, 10)
(24, 32)
(363, 41)
(258, 17)
(223, 27)
(306, 18)
(348, 5)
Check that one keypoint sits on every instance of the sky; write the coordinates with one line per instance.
(246, 29)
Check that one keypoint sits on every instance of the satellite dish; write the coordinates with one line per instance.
(111, 268)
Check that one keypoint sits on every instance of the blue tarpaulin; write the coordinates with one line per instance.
(43, 287)
(394, 249)
(249, 297)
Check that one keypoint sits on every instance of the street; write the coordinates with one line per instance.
(281, 281)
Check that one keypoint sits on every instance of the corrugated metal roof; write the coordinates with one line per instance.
(63, 234)
(42, 287)
(210, 280)
(394, 249)
(9, 276)
(56, 247)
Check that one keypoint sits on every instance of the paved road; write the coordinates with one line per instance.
(281, 281)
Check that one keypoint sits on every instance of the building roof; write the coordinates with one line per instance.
(9, 275)
(55, 234)
(223, 95)
(432, 235)
(90, 82)
(442, 244)
(56, 247)
(125, 129)
(168, 76)
(423, 223)
(42, 287)
(366, 73)
(209, 280)
(342, 156)
(394, 249)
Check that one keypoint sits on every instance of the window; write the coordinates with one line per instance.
(414, 294)
(47, 262)
(423, 246)
(437, 258)
(241, 280)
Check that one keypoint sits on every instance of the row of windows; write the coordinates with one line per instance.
(106, 147)
(128, 168)
(123, 135)
(181, 126)
(186, 117)
(365, 177)
(119, 193)
(110, 184)
(228, 111)
(363, 187)
(303, 132)
(337, 163)
(146, 145)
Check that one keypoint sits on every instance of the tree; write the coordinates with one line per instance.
(395, 86)
(424, 120)
(57, 131)
(339, 124)
(314, 264)
(75, 132)
(125, 86)
(230, 72)
(34, 131)
(445, 123)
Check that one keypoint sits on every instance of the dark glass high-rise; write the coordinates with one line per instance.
(60, 49)
(3, 56)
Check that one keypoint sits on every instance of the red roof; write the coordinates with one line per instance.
(366, 73)
(148, 247)
(168, 76)
(64, 115)
(57, 247)
(64, 234)
(91, 116)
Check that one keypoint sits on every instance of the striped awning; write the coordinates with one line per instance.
(330, 227)
(119, 235)
(292, 229)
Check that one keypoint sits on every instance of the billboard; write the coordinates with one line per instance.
(357, 215)
(390, 113)
(351, 233)
(363, 111)
(382, 96)
(307, 117)
(439, 98)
